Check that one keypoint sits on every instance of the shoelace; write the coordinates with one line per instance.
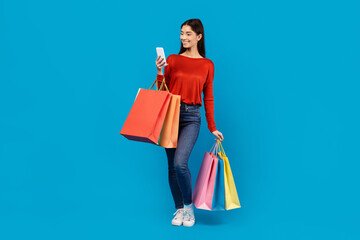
(187, 215)
(178, 213)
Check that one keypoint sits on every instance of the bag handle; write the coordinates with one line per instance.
(163, 83)
(220, 146)
(214, 148)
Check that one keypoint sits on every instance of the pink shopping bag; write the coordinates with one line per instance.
(204, 187)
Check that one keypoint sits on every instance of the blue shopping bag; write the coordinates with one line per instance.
(218, 203)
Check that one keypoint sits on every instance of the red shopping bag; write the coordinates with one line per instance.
(146, 117)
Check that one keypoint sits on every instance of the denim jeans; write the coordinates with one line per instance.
(179, 173)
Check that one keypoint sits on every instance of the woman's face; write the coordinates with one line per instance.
(188, 37)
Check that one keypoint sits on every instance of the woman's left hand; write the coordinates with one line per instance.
(218, 135)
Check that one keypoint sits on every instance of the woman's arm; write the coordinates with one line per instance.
(209, 99)
(209, 103)
(160, 76)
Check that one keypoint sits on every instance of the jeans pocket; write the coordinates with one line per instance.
(193, 111)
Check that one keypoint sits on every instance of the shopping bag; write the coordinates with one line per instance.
(218, 202)
(231, 196)
(170, 130)
(204, 186)
(146, 117)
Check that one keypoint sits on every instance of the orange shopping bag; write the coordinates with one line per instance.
(170, 130)
(146, 117)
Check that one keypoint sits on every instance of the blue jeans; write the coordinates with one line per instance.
(179, 173)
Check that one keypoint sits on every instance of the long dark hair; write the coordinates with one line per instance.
(197, 27)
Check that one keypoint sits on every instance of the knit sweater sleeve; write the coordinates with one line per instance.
(209, 99)
(167, 70)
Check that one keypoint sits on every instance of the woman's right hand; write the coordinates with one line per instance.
(159, 63)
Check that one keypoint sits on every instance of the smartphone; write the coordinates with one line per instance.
(160, 52)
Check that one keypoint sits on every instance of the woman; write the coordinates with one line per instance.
(188, 74)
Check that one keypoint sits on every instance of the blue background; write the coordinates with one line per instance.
(286, 91)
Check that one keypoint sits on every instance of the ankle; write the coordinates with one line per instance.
(188, 205)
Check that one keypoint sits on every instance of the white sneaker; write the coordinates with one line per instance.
(189, 217)
(178, 219)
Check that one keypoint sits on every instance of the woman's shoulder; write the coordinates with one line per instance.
(171, 56)
(211, 62)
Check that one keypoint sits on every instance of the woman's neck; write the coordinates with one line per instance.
(193, 53)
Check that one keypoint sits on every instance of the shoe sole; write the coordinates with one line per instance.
(179, 224)
(176, 224)
(185, 225)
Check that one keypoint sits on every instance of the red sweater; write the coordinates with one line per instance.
(189, 77)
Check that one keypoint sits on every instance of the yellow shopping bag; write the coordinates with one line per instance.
(231, 196)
